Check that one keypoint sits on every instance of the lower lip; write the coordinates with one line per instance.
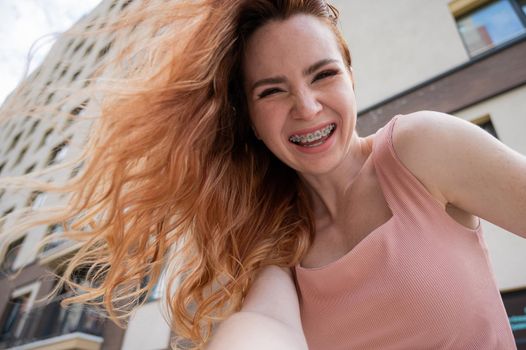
(320, 148)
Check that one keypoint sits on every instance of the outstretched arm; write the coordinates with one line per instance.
(269, 318)
(469, 168)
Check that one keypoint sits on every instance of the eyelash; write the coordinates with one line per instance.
(267, 92)
(322, 75)
(325, 74)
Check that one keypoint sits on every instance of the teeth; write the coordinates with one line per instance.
(313, 136)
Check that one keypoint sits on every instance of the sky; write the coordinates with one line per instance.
(27, 23)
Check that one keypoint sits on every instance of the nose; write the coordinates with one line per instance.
(306, 105)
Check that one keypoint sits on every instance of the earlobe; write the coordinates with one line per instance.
(255, 132)
(351, 73)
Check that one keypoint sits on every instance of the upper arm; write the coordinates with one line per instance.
(252, 330)
(269, 318)
(465, 166)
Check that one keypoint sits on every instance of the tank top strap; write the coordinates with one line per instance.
(402, 190)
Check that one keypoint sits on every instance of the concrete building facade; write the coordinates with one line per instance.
(463, 57)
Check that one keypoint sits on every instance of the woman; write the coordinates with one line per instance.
(396, 261)
(239, 158)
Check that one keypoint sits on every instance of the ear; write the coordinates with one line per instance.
(351, 73)
(255, 131)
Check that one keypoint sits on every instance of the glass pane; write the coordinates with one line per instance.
(515, 304)
(11, 255)
(522, 4)
(490, 26)
(488, 126)
(159, 287)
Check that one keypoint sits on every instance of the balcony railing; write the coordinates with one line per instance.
(50, 321)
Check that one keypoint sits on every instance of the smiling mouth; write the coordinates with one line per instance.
(315, 138)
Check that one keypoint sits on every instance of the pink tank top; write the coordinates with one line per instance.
(419, 281)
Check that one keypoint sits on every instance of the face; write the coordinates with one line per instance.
(300, 93)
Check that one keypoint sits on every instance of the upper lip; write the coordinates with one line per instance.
(309, 130)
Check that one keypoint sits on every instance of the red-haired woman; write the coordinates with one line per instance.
(239, 159)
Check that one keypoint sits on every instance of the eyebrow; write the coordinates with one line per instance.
(281, 79)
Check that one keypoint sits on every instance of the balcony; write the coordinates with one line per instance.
(55, 252)
(53, 327)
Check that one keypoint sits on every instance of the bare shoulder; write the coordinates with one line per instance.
(427, 129)
(464, 166)
(424, 140)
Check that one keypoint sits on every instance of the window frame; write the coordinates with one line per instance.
(31, 289)
(15, 245)
(461, 9)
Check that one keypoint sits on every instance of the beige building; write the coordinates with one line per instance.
(464, 57)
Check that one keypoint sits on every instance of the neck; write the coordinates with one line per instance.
(329, 191)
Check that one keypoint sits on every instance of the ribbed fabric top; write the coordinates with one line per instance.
(419, 281)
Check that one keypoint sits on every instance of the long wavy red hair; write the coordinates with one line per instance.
(174, 176)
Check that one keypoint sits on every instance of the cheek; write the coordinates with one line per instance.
(346, 100)
(266, 120)
(259, 124)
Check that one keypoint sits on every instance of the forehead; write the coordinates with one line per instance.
(296, 42)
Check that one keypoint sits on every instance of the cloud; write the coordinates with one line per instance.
(32, 22)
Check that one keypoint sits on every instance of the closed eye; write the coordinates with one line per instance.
(269, 91)
(325, 74)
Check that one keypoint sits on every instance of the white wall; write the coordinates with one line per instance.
(147, 329)
(507, 251)
(508, 114)
(398, 44)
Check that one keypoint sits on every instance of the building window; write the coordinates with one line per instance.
(125, 4)
(76, 170)
(88, 50)
(159, 288)
(485, 123)
(105, 50)
(49, 98)
(15, 141)
(21, 156)
(515, 304)
(30, 168)
(492, 25)
(8, 211)
(79, 45)
(488, 126)
(76, 75)
(64, 71)
(34, 126)
(58, 153)
(13, 316)
(10, 256)
(44, 138)
(78, 110)
(69, 45)
(24, 322)
(57, 66)
(55, 229)
(16, 319)
(36, 200)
